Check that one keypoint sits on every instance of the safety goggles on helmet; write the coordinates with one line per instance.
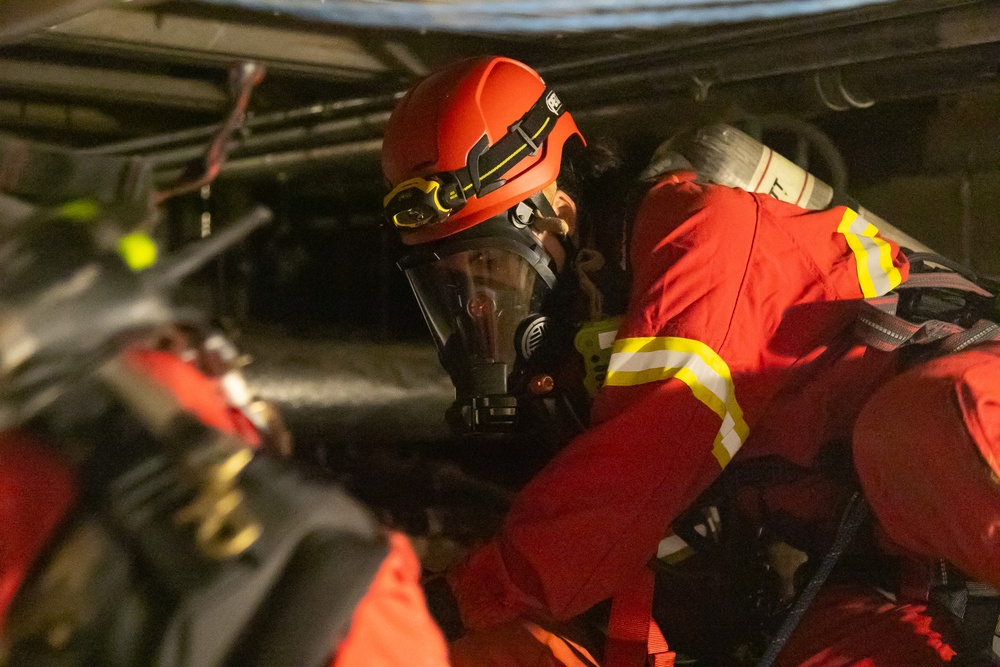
(425, 201)
(483, 295)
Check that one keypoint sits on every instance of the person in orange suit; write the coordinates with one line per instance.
(735, 345)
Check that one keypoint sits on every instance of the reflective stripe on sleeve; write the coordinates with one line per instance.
(876, 273)
(640, 360)
(670, 545)
(672, 549)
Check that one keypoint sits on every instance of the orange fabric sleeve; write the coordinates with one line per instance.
(391, 626)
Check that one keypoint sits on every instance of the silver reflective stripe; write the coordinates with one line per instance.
(670, 545)
(637, 361)
(877, 275)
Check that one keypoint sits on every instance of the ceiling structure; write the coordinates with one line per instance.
(101, 73)
(151, 78)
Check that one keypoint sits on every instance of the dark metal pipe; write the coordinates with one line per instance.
(936, 73)
(370, 123)
(276, 118)
(365, 150)
(870, 83)
(801, 27)
(900, 32)
(22, 17)
(338, 153)
(965, 26)
(352, 391)
(66, 117)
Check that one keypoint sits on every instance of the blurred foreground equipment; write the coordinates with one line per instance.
(178, 545)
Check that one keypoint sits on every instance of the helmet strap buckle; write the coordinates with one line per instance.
(519, 131)
(521, 215)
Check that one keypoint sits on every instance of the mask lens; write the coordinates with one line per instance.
(475, 299)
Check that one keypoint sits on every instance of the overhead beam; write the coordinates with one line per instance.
(75, 81)
(197, 39)
(70, 118)
(22, 17)
(920, 34)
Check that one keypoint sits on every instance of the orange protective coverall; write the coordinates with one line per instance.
(735, 298)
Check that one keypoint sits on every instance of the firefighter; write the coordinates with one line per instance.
(735, 345)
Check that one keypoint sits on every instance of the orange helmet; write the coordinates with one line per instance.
(468, 143)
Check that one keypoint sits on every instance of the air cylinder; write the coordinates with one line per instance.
(723, 154)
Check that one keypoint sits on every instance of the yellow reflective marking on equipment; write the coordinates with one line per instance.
(563, 650)
(876, 273)
(637, 361)
(672, 549)
(81, 210)
(138, 251)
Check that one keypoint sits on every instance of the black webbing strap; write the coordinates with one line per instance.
(487, 164)
(981, 331)
(879, 327)
(50, 175)
(854, 515)
(978, 630)
(887, 332)
(942, 279)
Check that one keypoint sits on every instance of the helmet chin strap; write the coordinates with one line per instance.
(536, 212)
(544, 217)
(556, 226)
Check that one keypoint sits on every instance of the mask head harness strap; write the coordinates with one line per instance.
(525, 213)
(421, 201)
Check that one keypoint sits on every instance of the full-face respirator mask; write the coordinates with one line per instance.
(498, 311)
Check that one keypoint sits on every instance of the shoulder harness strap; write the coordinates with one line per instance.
(881, 326)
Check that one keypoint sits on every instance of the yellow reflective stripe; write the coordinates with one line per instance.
(511, 156)
(670, 544)
(637, 361)
(876, 273)
(544, 125)
(508, 159)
